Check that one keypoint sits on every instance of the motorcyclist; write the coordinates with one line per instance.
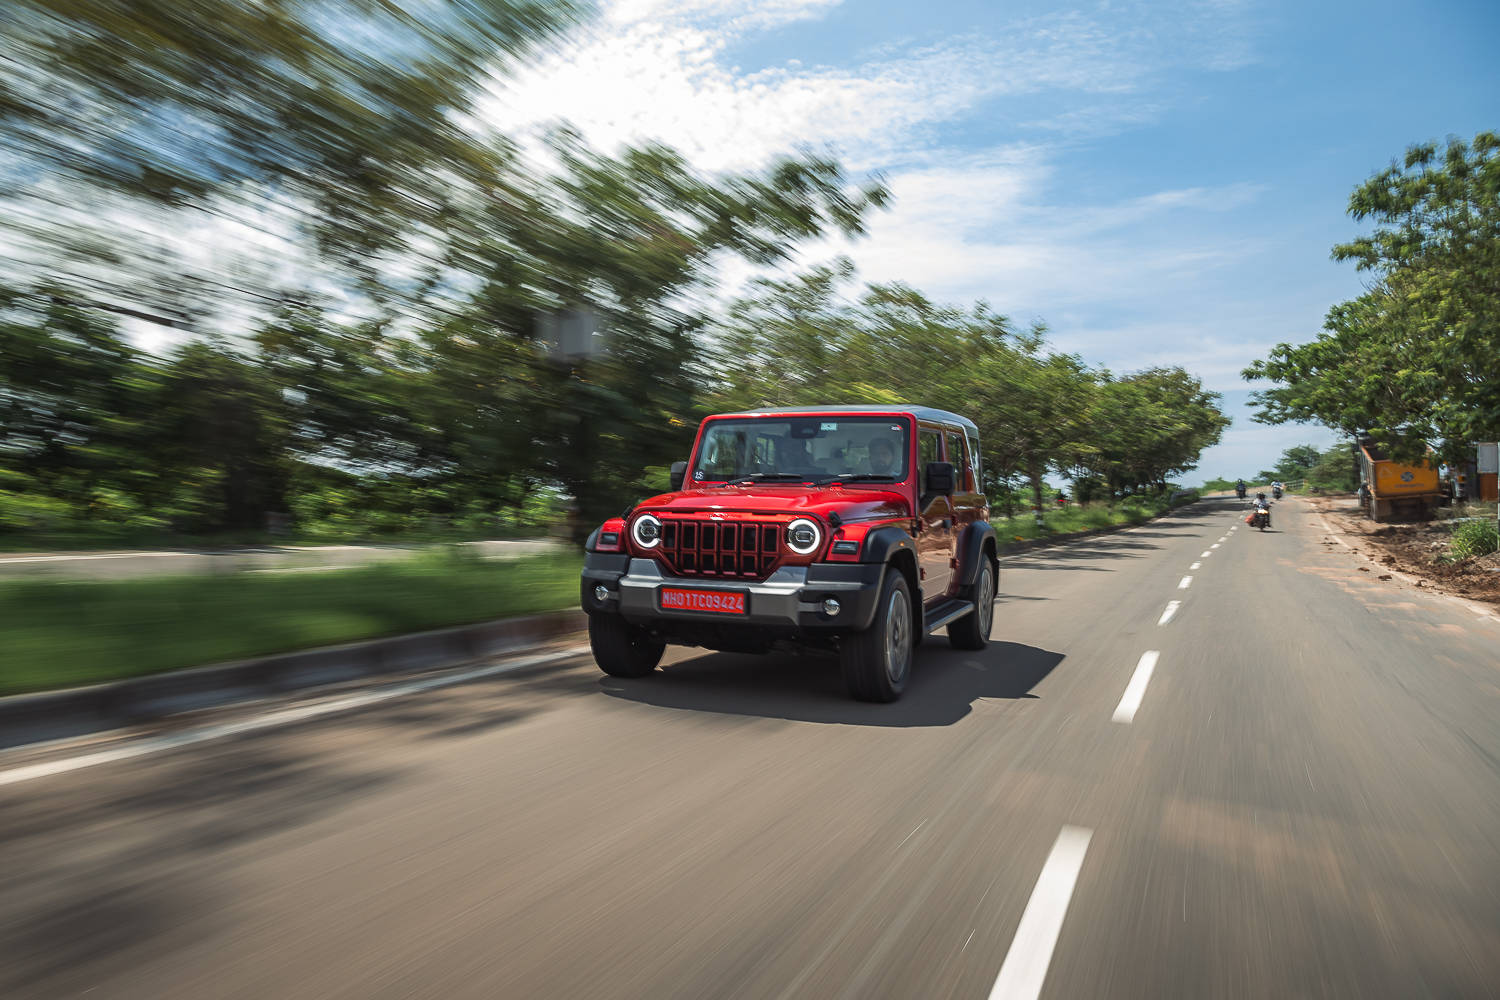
(1239, 489)
(1262, 505)
(1276, 489)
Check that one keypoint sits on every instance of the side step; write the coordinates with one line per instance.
(948, 611)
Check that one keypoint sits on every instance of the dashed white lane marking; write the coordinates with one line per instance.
(1166, 615)
(1136, 689)
(1214, 545)
(1184, 583)
(270, 720)
(1195, 565)
(1205, 554)
(1223, 538)
(1025, 967)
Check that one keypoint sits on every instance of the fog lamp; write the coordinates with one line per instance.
(831, 606)
(601, 593)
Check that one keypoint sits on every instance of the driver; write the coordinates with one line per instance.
(882, 460)
(793, 456)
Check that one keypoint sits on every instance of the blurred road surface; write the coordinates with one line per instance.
(1298, 795)
(273, 558)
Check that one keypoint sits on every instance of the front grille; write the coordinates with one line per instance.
(740, 550)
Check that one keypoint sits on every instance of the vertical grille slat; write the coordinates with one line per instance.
(722, 549)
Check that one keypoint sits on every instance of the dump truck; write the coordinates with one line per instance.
(1392, 490)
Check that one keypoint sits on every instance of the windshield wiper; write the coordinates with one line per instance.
(858, 477)
(761, 477)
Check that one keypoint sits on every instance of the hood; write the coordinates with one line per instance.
(852, 503)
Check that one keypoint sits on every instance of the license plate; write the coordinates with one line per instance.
(726, 602)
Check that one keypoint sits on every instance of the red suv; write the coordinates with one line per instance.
(851, 529)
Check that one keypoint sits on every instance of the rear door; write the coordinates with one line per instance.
(935, 537)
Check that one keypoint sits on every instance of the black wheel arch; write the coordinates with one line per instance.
(977, 544)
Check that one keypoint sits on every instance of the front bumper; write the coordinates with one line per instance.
(790, 598)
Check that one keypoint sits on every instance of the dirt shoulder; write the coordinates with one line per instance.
(1412, 549)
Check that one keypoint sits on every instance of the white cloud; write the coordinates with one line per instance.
(654, 69)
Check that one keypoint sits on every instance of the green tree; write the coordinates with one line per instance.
(1294, 463)
(1416, 353)
(72, 398)
(217, 442)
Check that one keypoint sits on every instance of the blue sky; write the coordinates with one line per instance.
(1160, 182)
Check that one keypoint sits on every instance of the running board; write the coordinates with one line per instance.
(948, 611)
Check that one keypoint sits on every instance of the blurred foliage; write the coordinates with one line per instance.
(396, 385)
(800, 341)
(1412, 360)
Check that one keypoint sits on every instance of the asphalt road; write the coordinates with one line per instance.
(133, 564)
(1303, 799)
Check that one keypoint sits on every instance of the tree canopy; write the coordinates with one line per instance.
(1417, 352)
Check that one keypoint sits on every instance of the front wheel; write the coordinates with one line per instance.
(622, 649)
(877, 661)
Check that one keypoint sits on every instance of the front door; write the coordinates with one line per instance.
(935, 527)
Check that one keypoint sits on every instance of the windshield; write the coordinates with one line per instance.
(803, 449)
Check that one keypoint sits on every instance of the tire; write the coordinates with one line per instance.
(622, 649)
(972, 631)
(877, 661)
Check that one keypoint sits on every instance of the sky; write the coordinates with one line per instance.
(1160, 183)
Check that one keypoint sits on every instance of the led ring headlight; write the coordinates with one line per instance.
(646, 531)
(803, 536)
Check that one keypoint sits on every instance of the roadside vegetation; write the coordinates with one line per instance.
(1088, 516)
(1412, 360)
(1472, 539)
(64, 633)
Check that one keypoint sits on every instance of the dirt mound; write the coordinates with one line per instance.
(1419, 550)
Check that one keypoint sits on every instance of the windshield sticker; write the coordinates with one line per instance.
(829, 425)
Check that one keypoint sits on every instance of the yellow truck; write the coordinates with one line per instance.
(1391, 490)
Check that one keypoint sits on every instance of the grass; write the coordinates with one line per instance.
(64, 633)
(1084, 517)
(106, 538)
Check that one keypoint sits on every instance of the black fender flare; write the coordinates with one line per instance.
(885, 541)
(971, 551)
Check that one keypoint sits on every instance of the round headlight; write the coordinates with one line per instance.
(803, 536)
(646, 531)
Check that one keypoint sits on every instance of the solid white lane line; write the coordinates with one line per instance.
(1205, 554)
(1184, 583)
(92, 555)
(1136, 689)
(1025, 967)
(1195, 565)
(1166, 615)
(270, 720)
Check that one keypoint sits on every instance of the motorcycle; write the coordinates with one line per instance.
(1239, 491)
(1276, 492)
(1260, 518)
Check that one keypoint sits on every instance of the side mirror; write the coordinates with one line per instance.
(679, 473)
(940, 478)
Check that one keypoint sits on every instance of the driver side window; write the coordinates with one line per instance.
(927, 451)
